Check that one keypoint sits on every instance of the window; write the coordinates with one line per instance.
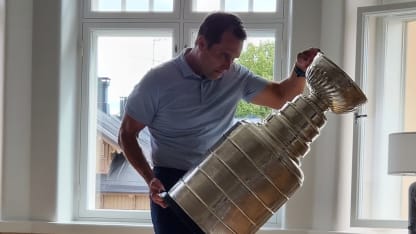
(252, 10)
(385, 67)
(135, 9)
(118, 56)
(235, 5)
(122, 40)
(258, 55)
(132, 5)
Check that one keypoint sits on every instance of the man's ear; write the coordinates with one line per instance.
(201, 42)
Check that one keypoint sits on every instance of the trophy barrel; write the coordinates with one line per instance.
(240, 184)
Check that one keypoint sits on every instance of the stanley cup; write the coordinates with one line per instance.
(255, 167)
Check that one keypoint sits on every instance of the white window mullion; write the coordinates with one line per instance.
(222, 5)
(152, 5)
(123, 5)
(250, 6)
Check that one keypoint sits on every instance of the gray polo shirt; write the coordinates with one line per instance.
(185, 113)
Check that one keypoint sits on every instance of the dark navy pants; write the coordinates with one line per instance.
(164, 220)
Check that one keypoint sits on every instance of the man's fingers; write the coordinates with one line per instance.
(156, 187)
(308, 54)
(305, 58)
(158, 200)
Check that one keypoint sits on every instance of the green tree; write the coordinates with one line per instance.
(260, 60)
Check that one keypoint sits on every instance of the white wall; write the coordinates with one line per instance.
(39, 110)
(324, 201)
(17, 111)
(54, 101)
(2, 74)
(40, 106)
(45, 100)
(306, 31)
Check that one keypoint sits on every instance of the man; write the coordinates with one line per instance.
(189, 102)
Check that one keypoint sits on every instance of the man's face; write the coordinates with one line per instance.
(219, 57)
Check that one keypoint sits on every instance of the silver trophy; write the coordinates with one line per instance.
(255, 168)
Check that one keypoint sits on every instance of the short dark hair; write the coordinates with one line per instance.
(215, 24)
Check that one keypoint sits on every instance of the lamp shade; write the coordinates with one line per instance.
(402, 153)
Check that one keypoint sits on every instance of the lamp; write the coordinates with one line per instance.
(402, 161)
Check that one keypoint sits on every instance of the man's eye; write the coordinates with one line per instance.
(227, 57)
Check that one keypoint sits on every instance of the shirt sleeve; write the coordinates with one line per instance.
(142, 103)
(253, 84)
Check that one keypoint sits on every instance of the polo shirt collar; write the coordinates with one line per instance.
(184, 67)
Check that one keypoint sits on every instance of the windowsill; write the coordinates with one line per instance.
(90, 227)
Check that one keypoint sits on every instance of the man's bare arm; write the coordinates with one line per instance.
(127, 139)
(275, 95)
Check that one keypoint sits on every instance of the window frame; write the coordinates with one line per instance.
(180, 21)
(363, 14)
(88, 123)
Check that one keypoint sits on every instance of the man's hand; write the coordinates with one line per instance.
(157, 187)
(305, 58)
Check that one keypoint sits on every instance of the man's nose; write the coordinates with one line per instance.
(227, 64)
